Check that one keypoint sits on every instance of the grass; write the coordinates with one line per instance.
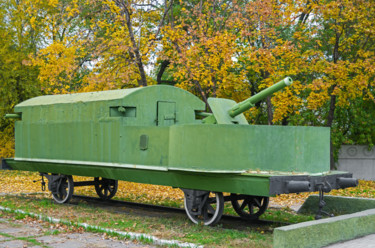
(285, 215)
(52, 232)
(166, 227)
(31, 240)
(178, 228)
(173, 227)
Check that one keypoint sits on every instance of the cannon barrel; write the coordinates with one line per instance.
(248, 103)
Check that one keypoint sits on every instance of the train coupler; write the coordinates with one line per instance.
(43, 183)
(4, 165)
(322, 187)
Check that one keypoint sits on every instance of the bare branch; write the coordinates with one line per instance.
(166, 10)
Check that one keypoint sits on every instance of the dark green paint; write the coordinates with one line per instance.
(13, 116)
(222, 182)
(226, 111)
(248, 103)
(220, 108)
(154, 135)
(249, 148)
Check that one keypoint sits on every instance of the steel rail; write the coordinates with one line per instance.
(144, 206)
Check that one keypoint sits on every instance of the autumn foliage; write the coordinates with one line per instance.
(230, 49)
(22, 182)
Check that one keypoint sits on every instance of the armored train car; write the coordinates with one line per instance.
(161, 135)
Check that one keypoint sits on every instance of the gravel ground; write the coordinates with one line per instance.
(363, 242)
(35, 233)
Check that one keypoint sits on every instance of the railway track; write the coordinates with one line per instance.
(227, 221)
(142, 209)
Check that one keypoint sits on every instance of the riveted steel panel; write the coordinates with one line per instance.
(102, 126)
(249, 148)
(151, 135)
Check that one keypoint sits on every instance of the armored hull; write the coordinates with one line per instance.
(156, 135)
(159, 131)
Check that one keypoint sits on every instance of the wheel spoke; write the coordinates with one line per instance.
(256, 205)
(243, 205)
(63, 191)
(210, 209)
(257, 202)
(205, 214)
(105, 188)
(251, 208)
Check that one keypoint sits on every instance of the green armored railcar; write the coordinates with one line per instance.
(156, 135)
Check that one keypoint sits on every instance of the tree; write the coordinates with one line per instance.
(18, 80)
(200, 45)
(67, 42)
(230, 49)
(339, 36)
(128, 35)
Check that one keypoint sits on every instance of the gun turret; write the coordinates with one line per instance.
(226, 111)
(250, 102)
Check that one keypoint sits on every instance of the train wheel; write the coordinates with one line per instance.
(208, 210)
(105, 188)
(65, 188)
(249, 207)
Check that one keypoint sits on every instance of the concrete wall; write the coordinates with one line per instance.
(319, 233)
(357, 160)
(337, 205)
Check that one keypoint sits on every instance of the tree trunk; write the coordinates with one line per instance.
(164, 65)
(269, 110)
(138, 58)
(331, 115)
(332, 105)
